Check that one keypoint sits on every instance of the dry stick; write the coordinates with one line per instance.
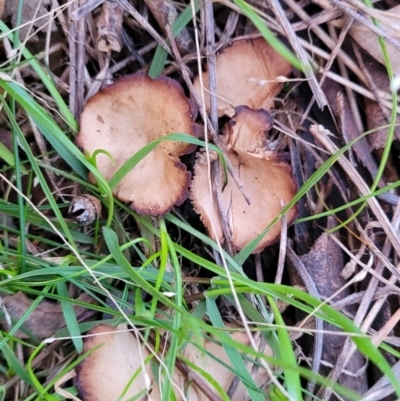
(229, 29)
(282, 248)
(387, 328)
(322, 18)
(128, 42)
(378, 305)
(72, 63)
(61, 18)
(368, 23)
(84, 9)
(379, 15)
(362, 91)
(212, 77)
(80, 66)
(383, 387)
(123, 63)
(350, 267)
(165, 13)
(144, 24)
(319, 325)
(332, 58)
(358, 297)
(301, 54)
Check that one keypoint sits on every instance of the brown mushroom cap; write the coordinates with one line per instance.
(266, 176)
(126, 116)
(107, 371)
(246, 74)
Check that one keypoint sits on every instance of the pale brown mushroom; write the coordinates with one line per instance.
(109, 369)
(124, 117)
(248, 73)
(106, 372)
(265, 175)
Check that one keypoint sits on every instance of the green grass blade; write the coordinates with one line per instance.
(13, 361)
(9, 158)
(292, 377)
(233, 354)
(143, 152)
(70, 317)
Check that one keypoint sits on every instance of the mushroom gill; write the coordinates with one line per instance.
(264, 173)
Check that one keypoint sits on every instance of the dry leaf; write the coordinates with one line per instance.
(32, 10)
(340, 107)
(107, 371)
(43, 322)
(109, 27)
(324, 263)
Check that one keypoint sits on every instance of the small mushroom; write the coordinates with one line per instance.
(106, 372)
(248, 73)
(124, 117)
(264, 173)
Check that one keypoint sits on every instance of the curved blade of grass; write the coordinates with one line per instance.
(177, 320)
(143, 152)
(111, 240)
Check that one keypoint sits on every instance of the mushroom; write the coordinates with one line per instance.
(124, 117)
(106, 372)
(118, 362)
(248, 73)
(264, 173)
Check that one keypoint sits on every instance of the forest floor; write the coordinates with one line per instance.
(199, 200)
